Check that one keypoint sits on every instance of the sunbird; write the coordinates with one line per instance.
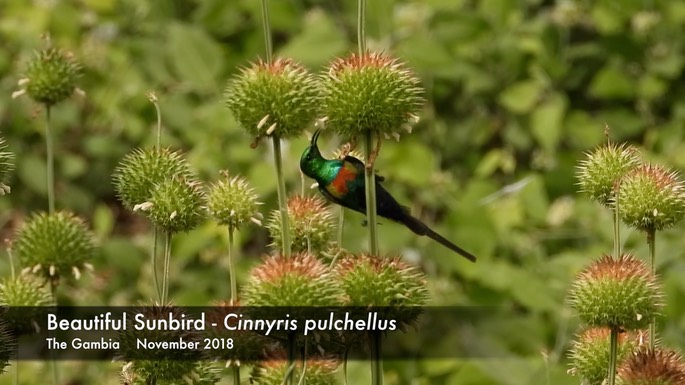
(343, 182)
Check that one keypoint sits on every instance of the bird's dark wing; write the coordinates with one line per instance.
(360, 166)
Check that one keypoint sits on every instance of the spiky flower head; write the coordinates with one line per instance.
(296, 281)
(161, 366)
(589, 354)
(343, 152)
(602, 169)
(55, 245)
(373, 91)
(232, 202)
(652, 367)
(6, 166)
(279, 98)
(27, 302)
(178, 204)
(50, 77)
(7, 346)
(311, 224)
(141, 170)
(320, 371)
(651, 198)
(380, 281)
(617, 293)
(383, 282)
(203, 373)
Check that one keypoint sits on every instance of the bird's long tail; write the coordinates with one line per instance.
(421, 228)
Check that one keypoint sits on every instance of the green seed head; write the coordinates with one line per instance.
(301, 280)
(143, 373)
(55, 245)
(602, 169)
(617, 293)
(652, 367)
(6, 166)
(589, 354)
(651, 198)
(280, 98)
(311, 225)
(375, 281)
(372, 92)
(273, 371)
(177, 205)
(27, 300)
(142, 170)
(232, 202)
(51, 76)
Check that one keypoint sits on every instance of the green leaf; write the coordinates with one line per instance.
(651, 87)
(489, 163)
(103, 221)
(522, 96)
(415, 169)
(547, 121)
(33, 173)
(534, 198)
(606, 18)
(612, 83)
(73, 166)
(196, 58)
(318, 31)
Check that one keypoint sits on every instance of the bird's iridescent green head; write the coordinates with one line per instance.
(311, 157)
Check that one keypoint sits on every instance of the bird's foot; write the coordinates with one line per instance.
(347, 148)
(365, 223)
(255, 143)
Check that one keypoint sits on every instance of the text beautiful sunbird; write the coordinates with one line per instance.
(342, 182)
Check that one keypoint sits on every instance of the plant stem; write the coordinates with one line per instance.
(341, 226)
(267, 30)
(55, 372)
(231, 268)
(167, 262)
(15, 379)
(155, 229)
(53, 362)
(155, 278)
(303, 376)
(236, 374)
(282, 203)
(376, 362)
(50, 162)
(370, 181)
(361, 27)
(291, 357)
(613, 352)
(11, 258)
(345, 361)
(617, 233)
(651, 241)
(159, 122)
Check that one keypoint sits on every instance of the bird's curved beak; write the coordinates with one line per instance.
(315, 137)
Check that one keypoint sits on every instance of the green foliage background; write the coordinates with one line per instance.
(517, 90)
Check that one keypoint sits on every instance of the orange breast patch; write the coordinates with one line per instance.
(338, 188)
